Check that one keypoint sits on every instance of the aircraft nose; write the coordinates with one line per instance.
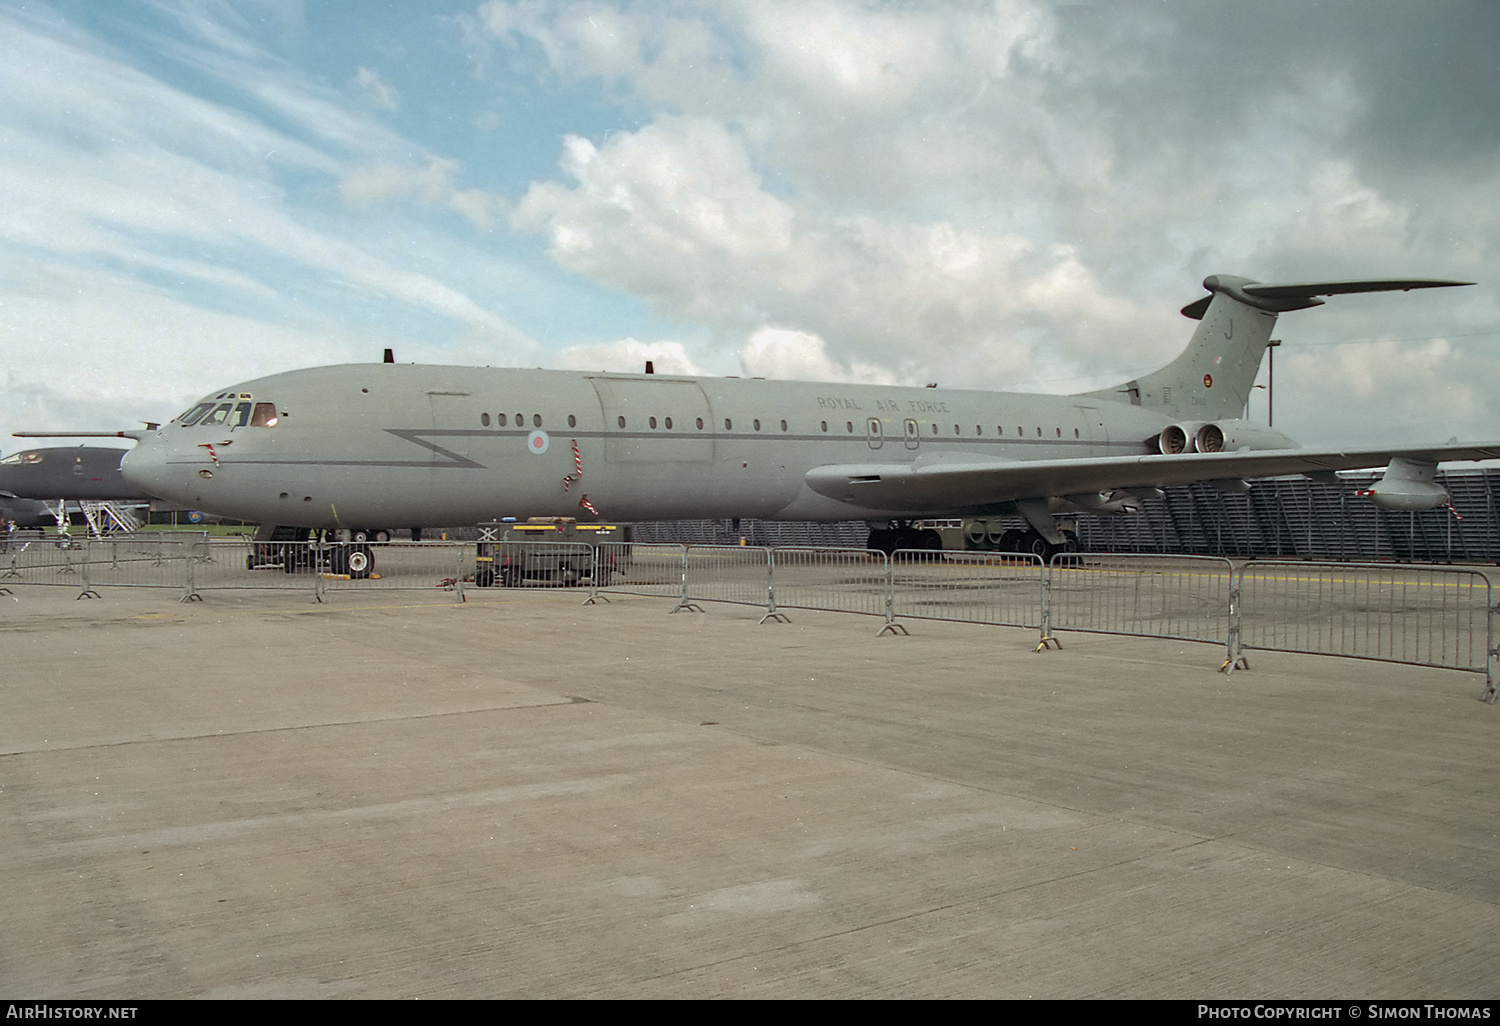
(145, 467)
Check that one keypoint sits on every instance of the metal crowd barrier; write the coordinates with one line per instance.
(634, 568)
(739, 574)
(1186, 598)
(240, 563)
(1439, 617)
(1003, 589)
(396, 565)
(42, 562)
(832, 580)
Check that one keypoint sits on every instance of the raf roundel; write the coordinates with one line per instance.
(536, 442)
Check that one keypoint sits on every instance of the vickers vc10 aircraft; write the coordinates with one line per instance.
(354, 447)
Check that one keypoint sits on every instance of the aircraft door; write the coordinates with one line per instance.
(913, 433)
(1095, 432)
(874, 433)
(655, 420)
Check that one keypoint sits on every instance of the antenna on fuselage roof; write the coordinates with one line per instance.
(390, 356)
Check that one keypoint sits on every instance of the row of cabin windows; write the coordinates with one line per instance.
(501, 420)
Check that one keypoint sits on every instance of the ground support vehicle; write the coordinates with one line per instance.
(548, 551)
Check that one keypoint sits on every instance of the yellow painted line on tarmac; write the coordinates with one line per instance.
(329, 608)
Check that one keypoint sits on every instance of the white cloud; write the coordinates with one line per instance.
(433, 185)
(676, 213)
(374, 88)
(800, 356)
(629, 356)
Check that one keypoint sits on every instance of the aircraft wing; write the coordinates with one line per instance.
(957, 484)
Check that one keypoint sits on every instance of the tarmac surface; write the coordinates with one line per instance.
(396, 796)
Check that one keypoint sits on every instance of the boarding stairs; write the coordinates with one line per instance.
(102, 517)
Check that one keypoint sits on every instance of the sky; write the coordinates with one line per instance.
(1010, 195)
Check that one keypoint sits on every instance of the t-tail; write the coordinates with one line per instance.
(1207, 388)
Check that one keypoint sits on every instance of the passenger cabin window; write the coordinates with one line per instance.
(757, 424)
(783, 425)
(652, 422)
(728, 424)
(500, 419)
(620, 421)
(572, 421)
(668, 423)
(484, 420)
(536, 420)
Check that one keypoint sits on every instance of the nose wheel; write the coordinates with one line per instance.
(355, 560)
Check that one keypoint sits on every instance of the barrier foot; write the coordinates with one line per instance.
(894, 628)
(191, 596)
(778, 617)
(595, 600)
(1238, 662)
(87, 593)
(6, 591)
(691, 607)
(1489, 692)
(1048, 641)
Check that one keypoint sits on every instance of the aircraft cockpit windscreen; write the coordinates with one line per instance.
(231, 414)
(15, 459)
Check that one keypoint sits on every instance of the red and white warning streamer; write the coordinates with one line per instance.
(578, 468)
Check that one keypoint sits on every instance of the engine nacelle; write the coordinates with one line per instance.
(1234, 435)
(1179, 438)
(1408, 485)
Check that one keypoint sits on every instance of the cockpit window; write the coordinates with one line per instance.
(241, 415)
(14, 459)
(220, 414)
(264, 415)
(191, 417)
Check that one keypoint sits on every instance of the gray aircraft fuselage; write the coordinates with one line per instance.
(372, 445)
(392, 444)
(69, 472)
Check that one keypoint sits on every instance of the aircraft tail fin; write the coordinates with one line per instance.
(1213, 377)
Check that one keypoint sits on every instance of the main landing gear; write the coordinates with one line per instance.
(889, 539)
(1029, 542)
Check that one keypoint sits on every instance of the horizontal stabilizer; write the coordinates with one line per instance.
(1300, 295)
(1307, 290)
